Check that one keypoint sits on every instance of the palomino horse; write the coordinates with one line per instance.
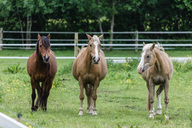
(41, 67)
(89, 68)
(156, 68)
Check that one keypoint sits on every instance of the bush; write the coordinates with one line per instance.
(15, 68)
(66, 69)
(128, 66)
(184, 67)
(1, 93)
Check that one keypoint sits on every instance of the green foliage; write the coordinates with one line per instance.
(128, 66)
(190, 117)
(66, 69)
(1, 93)
(57, 82)
(15, 68)
(184, 67)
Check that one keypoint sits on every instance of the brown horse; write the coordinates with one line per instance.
(89, 68)
(41, 67)
(156, 68)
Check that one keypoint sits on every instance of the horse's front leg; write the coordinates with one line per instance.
(94, 96)
(151, 99)
(81, 96)
(166, 100)
(46, 89)
(34, 86)
(88, 91)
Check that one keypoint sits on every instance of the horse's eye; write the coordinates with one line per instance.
(40, 46)
(90, 45)
(148, 56)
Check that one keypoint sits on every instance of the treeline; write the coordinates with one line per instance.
(95, 15)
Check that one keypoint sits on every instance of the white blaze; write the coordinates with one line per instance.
(142, 61)
(96, 42)
(96, 49)
(145, 48)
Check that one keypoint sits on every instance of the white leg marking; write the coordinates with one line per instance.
(159, 107)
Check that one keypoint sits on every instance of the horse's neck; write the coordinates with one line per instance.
(159, 61)
(88, 61)
(39, 59)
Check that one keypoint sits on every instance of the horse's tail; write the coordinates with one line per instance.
(148, 102)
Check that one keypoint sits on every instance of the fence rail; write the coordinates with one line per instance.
(135, 42)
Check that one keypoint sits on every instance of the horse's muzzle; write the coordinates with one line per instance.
(139, 70)
(96, 60)
(46, 59)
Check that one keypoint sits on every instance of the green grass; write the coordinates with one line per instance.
(122, 96)
(114, 53)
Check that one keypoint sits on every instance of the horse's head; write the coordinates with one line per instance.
(94, 47)
(43, 47)
(147, 58)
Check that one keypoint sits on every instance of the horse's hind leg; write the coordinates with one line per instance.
(88, 91)
(166, 100)
(159, 107)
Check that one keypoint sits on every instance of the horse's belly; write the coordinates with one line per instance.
(40, 77)
(89, 78)
(158, 80)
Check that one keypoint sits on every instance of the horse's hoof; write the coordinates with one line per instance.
(166, 117)
(159, 111)
(151, 116)
(89, 111)
(33, 109)
(80, 113)
(94, 113)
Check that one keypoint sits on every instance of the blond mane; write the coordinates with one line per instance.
(148, 46)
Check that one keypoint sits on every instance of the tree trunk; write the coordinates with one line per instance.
(112, 24)
(28, 29)
(21, 26)
(100, 26)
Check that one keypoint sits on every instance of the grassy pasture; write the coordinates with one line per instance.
(122, 95)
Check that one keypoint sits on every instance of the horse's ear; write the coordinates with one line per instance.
(152, 47)
(100, 37)
(48, 36)
(88, 36)
(143, 44)
(39, 37)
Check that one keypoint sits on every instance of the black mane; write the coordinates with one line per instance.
(45, 42)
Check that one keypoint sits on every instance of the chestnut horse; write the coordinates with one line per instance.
(41, 67)
(156, 68)
(89, 68)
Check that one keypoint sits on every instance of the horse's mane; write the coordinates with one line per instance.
(159, 47)
(45, 42)
(147, 46)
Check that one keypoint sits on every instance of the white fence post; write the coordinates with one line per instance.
(1, 37)
(136, 41)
